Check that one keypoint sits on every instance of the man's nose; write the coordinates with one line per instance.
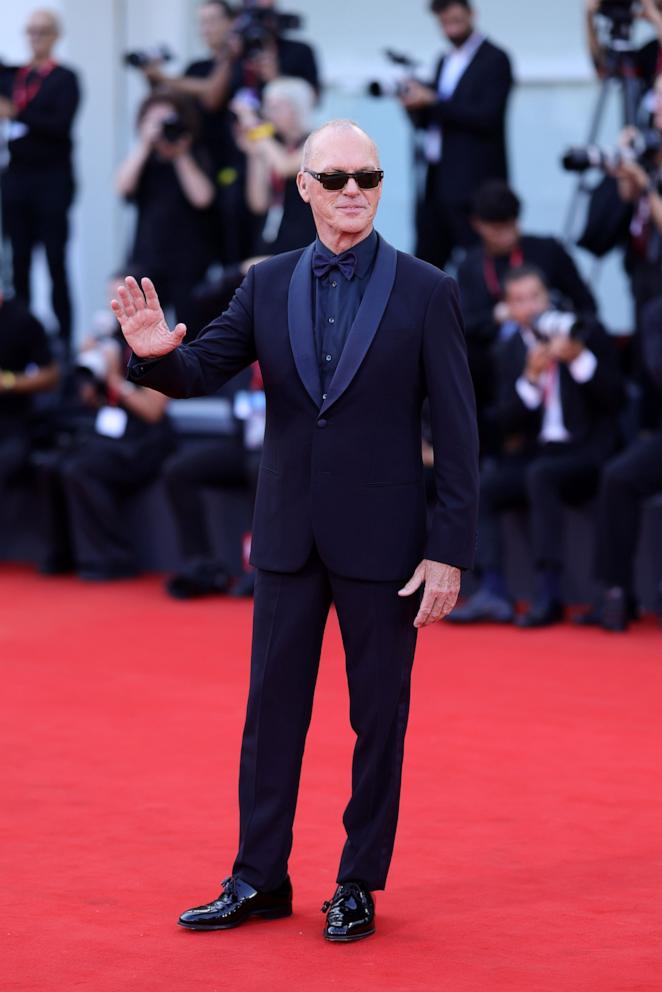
(352, 187)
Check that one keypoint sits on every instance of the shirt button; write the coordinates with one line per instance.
(332, 320)
(334, 284)
(328, 358)
(323, 396)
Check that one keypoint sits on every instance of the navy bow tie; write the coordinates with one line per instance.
(346, 262)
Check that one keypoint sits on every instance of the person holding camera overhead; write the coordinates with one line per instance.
(558, 393)
(40, 100)
(166, 177)
(646, 60)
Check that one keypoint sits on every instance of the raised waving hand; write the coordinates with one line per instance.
(141, 319)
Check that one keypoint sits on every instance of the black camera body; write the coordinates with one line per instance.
(621, 15)
(618, 11)
(173, 129)
(643, 149)
(555, 323)
(398, 87)
(139, 59)
(259, 26)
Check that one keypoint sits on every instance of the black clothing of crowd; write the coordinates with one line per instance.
(556, 427)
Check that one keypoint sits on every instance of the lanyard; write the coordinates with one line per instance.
(490, 272)
(28, 82)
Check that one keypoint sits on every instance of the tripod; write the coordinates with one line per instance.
(620, 68)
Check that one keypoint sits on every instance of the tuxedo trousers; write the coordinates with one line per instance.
(379, 639)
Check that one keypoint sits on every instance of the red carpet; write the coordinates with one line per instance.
(529, 854)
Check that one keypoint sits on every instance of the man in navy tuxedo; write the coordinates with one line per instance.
(351, 336)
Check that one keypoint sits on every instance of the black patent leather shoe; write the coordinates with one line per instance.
(350, 915)
(237, 903)
(542, 614)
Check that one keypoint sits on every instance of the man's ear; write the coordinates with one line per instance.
(302, 186)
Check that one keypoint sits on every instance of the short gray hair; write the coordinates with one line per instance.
(297, 92)
(341, 124)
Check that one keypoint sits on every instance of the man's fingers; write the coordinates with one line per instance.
(126, 300)
(414, 583)
(117, 309)
(136, 294)
(425, 609)
(150, 293)
(436, 608)
(180, 332)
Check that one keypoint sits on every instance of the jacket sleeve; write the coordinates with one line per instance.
(477, 305)
(484, 115)
(510, 415)
(221, 350)
(569, 282)
(651, 334)
(605, 387)
(452, 536)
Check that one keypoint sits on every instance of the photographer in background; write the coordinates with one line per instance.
(264, 51)
(558, 395)
(646, 60)
(208, 82)
(639, 186)
(272, 143)
(26, 368)
(495, 218)
(627, 481)
(462, 114)
(40, 101)
(119, 442)
(166, 176)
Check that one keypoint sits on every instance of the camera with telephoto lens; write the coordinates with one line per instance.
(260, 26)
(394, 87)
(173, 129)
(553, 323)
(143, 57)
(643, 149)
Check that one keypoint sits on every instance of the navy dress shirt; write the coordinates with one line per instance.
(337, 301)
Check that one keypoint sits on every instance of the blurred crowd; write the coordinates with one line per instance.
(568, 415)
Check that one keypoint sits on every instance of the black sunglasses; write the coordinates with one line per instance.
(336, 180)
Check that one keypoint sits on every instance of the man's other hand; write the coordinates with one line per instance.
(441, 589)
(141, 319)
(415, 96)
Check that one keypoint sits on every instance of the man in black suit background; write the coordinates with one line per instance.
(558, 392)
(463, 117)
(351, 335)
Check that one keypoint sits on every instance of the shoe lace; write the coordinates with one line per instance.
(343, 892)
(229, 892)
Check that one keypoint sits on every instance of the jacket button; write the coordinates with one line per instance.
(322, 422)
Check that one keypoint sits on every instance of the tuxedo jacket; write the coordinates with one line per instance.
(473, 125)
(344, 473)
(590, 409)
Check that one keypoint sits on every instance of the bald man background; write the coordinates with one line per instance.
(351, 336)
(40, 100)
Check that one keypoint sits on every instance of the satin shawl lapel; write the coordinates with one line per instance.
(300, 322)
(366, 322)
